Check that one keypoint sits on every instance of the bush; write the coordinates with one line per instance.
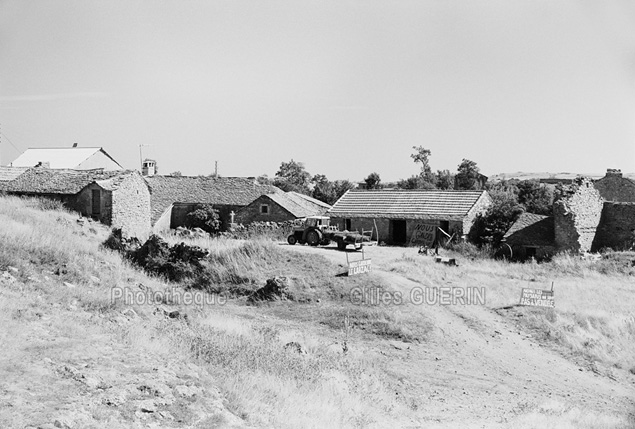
(205, 217)
(156, 256)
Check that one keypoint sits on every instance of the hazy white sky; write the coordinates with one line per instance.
(347, 87)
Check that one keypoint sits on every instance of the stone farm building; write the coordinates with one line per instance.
(583, 220)
(409, 216)
(532, 235)
(280, 207)
(173, 197)
(75, 158)
(116, 198)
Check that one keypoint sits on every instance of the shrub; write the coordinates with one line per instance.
(176, 263)
(205, 217)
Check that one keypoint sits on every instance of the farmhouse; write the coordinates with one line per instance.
(75, 158)
(409, 216)
(116, 198)
(532, 235)
(173, 197)
(280, 207)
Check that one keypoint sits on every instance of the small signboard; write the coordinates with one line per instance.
(359, 267)
(537, 298)
(423, 234)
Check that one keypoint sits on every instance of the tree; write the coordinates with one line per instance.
(293, 177)
(415, 182)
(445, 179)
(534, 197)
(327, 191)
(499, 217)
(422, 155)
(373, 181)
(468, 175)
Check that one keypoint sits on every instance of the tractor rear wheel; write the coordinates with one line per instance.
(313, 238)
(291, 240)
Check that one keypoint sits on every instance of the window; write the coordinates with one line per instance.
(264, 209)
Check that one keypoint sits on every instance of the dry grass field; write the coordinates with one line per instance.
(74, 357)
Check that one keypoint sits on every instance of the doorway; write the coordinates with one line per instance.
(96, 206)
(398, 231)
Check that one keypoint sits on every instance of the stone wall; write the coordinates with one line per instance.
(617, 227)
(252, 212)
(358, 224)
(576, 217)
(131, 206)
(83, 203)
(384, 229)
(180, 210)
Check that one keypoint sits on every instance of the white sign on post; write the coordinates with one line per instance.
(359, 267)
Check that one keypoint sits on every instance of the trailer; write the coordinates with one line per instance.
(317, 230)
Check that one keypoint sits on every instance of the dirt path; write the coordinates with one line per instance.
(477, 367)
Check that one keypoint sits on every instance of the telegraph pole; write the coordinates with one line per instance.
(141, 156)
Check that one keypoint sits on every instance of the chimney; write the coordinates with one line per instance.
(74, 144)
(149, 167)
(613, 172)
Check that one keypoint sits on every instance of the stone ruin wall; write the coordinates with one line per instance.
(577, 216)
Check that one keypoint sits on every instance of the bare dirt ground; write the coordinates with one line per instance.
(477, 369)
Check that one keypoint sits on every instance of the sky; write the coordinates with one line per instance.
(346, 87)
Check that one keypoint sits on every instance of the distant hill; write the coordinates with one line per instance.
(520, 175)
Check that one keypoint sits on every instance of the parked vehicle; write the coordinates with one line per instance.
(317, 230)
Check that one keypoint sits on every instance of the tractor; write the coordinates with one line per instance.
(317, 230)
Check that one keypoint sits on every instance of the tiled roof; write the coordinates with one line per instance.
(57, 157)
(11, 173)
(531, 230)
(50, 181)
(298, 206)
(237, 191)
(406, 204)
(311, 200)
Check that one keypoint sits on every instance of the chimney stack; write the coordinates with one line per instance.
(613, 172)
(149, 167)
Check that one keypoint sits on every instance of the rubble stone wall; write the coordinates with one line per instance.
(577, 216)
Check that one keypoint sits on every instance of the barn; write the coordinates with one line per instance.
(116, 198)
(280, 207)
(173, 197)
(409, 217)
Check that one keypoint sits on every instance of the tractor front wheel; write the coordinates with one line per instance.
(291, 240)
(313, 238)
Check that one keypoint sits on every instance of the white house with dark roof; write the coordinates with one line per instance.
(75, 158)
(414, 217)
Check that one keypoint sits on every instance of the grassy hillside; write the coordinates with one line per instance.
(58, 278)
(75, 357)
